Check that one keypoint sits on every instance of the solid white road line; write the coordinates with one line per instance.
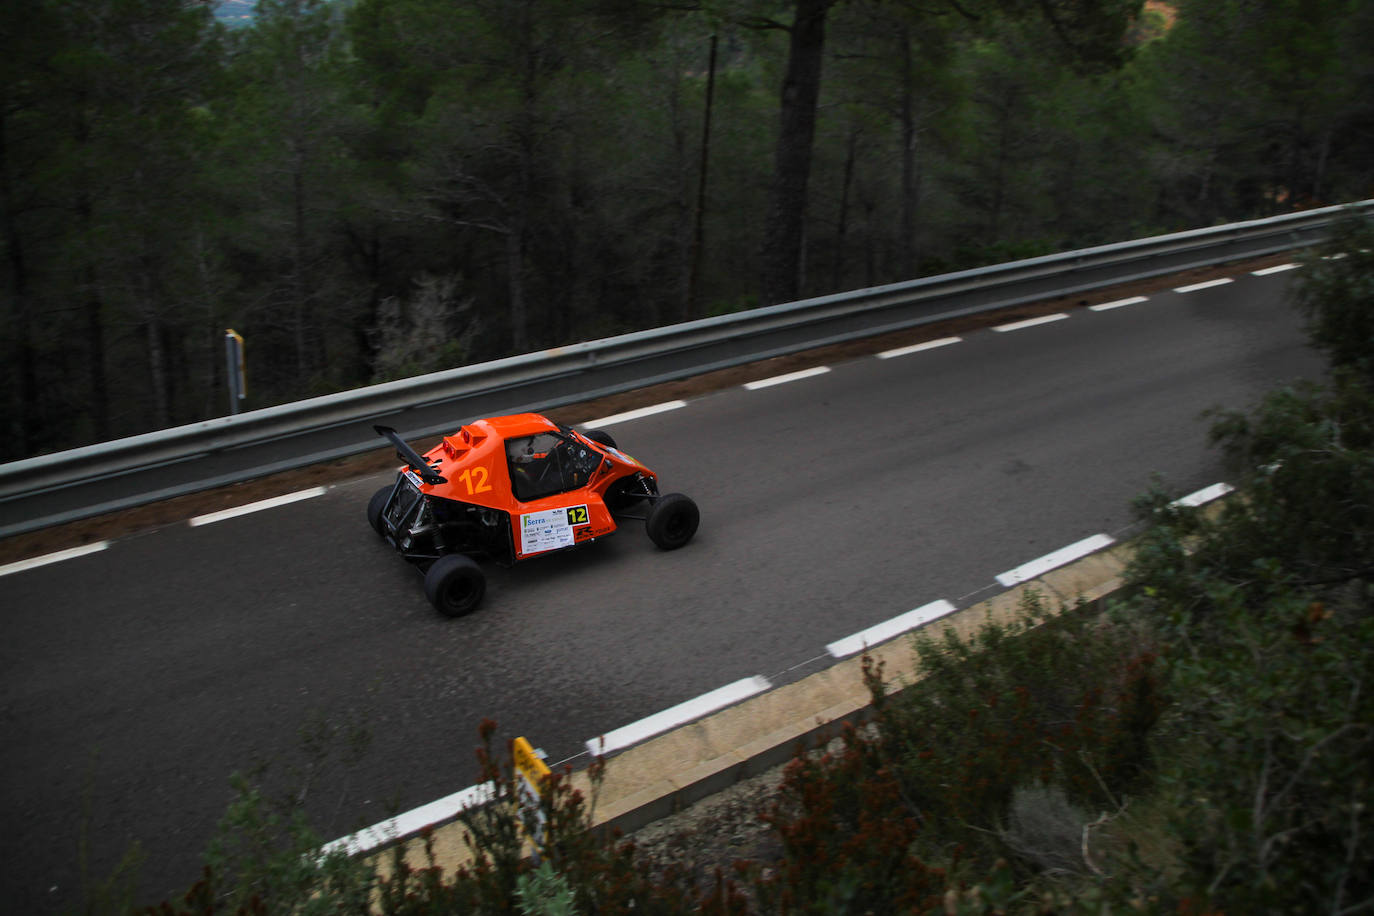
(784, 379)
(413, 821)
(680, 714)
(258, 506)
(917, 348)
(1054, 560)
(1030, 322)
(1107, 306)
(884, 631)
(1204, 496)
(633, 414)
(1208, 284)
(1266, 271)
(69, 554)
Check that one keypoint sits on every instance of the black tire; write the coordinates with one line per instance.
(455, 584)
(600, 437)
(375, 507)
(672, 521)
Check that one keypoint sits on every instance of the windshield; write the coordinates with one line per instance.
(548, 463)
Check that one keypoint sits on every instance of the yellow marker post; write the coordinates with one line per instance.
(532, 772)
(233, 347)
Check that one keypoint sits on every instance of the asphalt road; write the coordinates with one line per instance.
(134, 680)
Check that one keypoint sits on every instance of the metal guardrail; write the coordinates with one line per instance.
(50, 489)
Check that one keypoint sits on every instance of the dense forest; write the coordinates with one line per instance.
(373, 189)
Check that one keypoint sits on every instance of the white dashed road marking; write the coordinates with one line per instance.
(917, 348)
(634, 414)
(1207, 284)
(1107, 306)
(57, 557)
(258, 506)
(884, 631)
(1030, 322)
(1204, 496)
(677, 715)
(1061, 557)
(789, 377)
(412, 821)
(1264, 272)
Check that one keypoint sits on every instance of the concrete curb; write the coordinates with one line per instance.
(667, 773)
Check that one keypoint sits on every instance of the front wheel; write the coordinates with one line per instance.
(455, 585)
(600, 437)
(672, 521)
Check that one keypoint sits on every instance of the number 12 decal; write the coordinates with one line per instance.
(577, 515)
(475, 479)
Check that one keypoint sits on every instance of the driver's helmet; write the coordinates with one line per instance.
(520, 451)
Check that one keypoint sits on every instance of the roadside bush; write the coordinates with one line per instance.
(1267, 608)
(1006, 761)
(1336, 293)
(266, 860)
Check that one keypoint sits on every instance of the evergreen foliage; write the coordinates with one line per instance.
(304, 177)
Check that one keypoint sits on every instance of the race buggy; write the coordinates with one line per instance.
(509, 489)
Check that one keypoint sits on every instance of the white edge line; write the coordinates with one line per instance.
(1266, 271)
(1203, 496)
(70, 553)
(1206, 284)
(258, 506)
(789, 377)
(411, 822)
(677, 715)
(1107, 306)
(886, 630)
(1049, 561)
(917, 348)
(1031, 322)
(633, 414)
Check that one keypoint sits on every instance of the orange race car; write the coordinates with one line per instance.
(512, 488)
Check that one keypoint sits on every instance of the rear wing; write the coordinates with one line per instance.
(410, 456)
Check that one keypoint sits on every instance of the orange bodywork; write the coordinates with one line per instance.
(479, 470)
(510, 488)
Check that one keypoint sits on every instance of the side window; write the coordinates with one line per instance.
(536, 466)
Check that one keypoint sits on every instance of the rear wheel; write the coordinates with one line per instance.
(376, 506)
(672, 521)
(455, 585)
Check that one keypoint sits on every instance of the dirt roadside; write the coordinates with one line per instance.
(174, 511)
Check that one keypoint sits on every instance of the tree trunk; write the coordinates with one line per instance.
(24, 426)
(300, 289)
(515, 270)
(158, 376)
(98, 388)
(693, 293)
(783, 232)
(851, 153)
(907, 240)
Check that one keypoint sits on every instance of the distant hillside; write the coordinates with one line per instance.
(235, 12)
